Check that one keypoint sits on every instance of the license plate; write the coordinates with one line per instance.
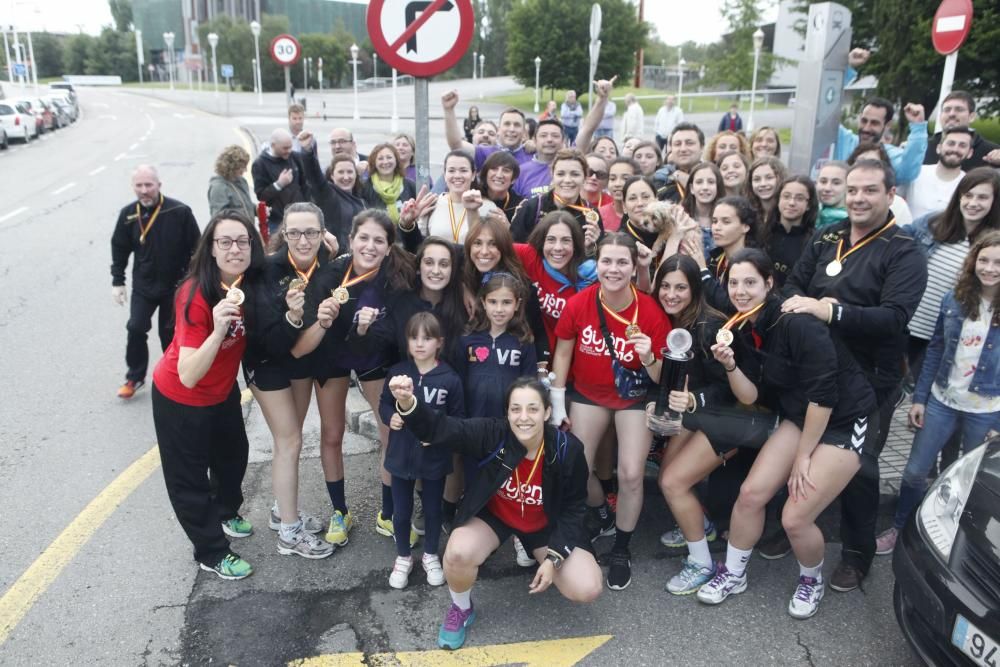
(974, 643)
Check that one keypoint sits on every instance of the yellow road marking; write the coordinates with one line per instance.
(551, 653)
(246, 396)
(39, 576)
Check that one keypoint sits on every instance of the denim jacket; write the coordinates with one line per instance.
(920, 230)
(941, 355)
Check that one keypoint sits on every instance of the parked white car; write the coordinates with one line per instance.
(17, 121)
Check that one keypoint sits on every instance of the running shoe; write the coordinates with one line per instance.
(691, 577)
(523, 559)
(846, 577)
(237, 527)
(674, 538)
(400, 576)
(418, 516)
(128, 389)
(775, 546)
(383, 526)
(309, 523)
(456, 622)
(886, 542)
(805, 603)
(597, 527)
(305, 544)
(433, 569)
(340, 525)
(619, 570)
(230, 567)
(722, 585)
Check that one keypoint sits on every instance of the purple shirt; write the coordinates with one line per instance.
(483, 152)
(534, 179)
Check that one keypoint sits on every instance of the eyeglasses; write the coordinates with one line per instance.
(798, 199)
(225, 243)
(597, 173)
(296, 234)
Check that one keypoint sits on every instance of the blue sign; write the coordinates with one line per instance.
(227, 71)
(20, 69)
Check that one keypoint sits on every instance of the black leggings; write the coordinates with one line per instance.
(402, 513)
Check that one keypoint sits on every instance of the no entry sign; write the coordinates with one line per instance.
(421, 38)
(285, 50)
(951, 25)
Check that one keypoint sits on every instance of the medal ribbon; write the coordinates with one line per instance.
(236, 283)
(345, 283)
(609, 311)
(517, 478)
(736, 320)
(308, 274)
(576, 207)
(456, 230)
(144, 229)
(861, 244)
(720, 268)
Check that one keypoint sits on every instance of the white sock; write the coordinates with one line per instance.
(288, 530)
(699, 553)
(814, 572)
(462, 600)
(737, 559)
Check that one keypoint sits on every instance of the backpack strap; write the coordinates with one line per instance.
(496, 450)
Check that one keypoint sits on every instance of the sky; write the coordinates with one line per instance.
(676, 20)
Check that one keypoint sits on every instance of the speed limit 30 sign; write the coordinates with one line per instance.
(285, 50)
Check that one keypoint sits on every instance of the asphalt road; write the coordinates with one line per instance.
(129, 593)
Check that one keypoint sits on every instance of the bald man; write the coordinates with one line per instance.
(161, 233)
(278, 179)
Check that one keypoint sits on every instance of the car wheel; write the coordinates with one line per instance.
(6, 142)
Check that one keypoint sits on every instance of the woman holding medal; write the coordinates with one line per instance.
(827, 418)
(457, 210)
(348, 295)
(734, 227)
(530, 483)
(282, 385)
(196, 401)
(606, 342)
(569, 171)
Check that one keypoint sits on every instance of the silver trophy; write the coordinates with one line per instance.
(676, 355)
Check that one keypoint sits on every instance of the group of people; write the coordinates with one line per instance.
(507, 327)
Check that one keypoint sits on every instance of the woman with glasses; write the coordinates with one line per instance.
(196, 401)
(569, 172)
(595, 187)
(790, 225)
(282, 384)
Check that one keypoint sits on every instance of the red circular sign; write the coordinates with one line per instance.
(421, 38)
(285, 50)
(951, 25)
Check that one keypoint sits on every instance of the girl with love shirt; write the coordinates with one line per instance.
(637, 328)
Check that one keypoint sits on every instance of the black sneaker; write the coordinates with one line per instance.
(598, 527)
(846, 577)
(619, 570)
(775, 546)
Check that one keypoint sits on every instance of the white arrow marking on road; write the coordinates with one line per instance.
(133, 147)
(95, 172)
(63, 189)
(950, 23)
(183, 115)
(108, 116)
(16, 211)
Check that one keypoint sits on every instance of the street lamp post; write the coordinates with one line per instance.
(375, 68)
(758, 42)
(213, 41)
(354, 62)
(305, 74)
(319, 73)
(680, 80)
(482, 75)
(168, 39)
(475, 59)
(538, 70)
(255, 29)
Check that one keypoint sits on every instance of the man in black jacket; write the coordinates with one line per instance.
(864, 277)
(278, 179)
(958, 109)
(162, 233)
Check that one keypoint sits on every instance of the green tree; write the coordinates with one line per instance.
(272, 75)
(730, 62)
(121, 12)
(235, 48)
(112, 53)
(559, 33)
(48, 54)
(75, 54)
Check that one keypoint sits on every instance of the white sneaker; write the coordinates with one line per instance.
(400, 576)
(523, 559)
(805, 602)
(722, 585)
(432, 566)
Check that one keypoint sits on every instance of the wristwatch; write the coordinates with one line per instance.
(555, 560)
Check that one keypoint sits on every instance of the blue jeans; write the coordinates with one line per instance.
(940, 422)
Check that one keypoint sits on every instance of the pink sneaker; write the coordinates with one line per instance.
(886, 542)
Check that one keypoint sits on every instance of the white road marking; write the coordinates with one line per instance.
(120, 156)
(95, 172)
(108, 116)
(63, 189)
(133, 146)
(16, 211)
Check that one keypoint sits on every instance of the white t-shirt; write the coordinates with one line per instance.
(928, 193)
(633, 121)
(971, 343)
(667, 120)
(439, 222)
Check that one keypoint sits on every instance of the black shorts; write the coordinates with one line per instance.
(531, 541)
(377, 373)
(267, 377)
(731, 427)
(576, 397)
(858, 436)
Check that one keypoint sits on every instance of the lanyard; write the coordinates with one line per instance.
(589, 214)
(517, 477)
(456, 229)
(837, 265)
(144, 229)
(631, 328)
(308, 274)
(233, 292)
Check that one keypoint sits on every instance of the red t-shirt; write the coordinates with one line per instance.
(610, 218)
(550, 299)
(506, 502)
(591, 365)
(218, 381)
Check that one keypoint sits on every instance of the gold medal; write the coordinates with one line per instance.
(303, 278)
(632, 330)
(591, 216)
(340, 295)
(724, 337)
(834, 268)
(297, 284)
(837, 264)
(631, 327)
(235, 296)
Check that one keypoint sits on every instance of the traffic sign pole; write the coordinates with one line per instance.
(949, 30)
(421, 97)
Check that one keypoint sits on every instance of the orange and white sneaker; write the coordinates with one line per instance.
(128, 389)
